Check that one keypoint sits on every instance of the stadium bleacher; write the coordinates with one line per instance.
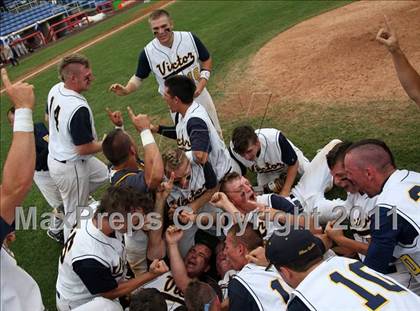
(38, 11)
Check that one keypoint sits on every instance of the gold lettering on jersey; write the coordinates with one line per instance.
(303, 251)
(267, 168)
(410, 264)
(165, 68)
(193, 195)
(170, 287)
(183, 144)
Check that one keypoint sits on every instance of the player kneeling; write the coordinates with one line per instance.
(93, 263)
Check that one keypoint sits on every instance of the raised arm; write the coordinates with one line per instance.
(173, 235)
(19, 166)
(408, 76)
(153, 164)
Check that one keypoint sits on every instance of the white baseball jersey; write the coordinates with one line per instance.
(88, 242)
(402, 191)
(269, 163)
(19, 291)
(180, 59)
(165, 283)
(196, 188)
(358, 208)
(224, 283)
(267, 288)
(62, 104)
(347, 284)
(219, 155)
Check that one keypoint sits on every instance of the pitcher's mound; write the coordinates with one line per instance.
(335, 57)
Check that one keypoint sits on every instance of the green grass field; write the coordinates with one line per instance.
(233, 31)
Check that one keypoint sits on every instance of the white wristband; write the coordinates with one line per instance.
(205, 74)
(147, 137)
(23, 120)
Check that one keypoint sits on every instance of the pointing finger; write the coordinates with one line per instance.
(130, 112)
(5, 78)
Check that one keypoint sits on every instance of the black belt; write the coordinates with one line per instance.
(65, 161)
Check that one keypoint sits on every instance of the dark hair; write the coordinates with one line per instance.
(301, 264)
(337, 153)
(251, 238)
(71, 59)
(373, 145)
(116, 146)
(198, 294)
(227, 179)
(157, 14)
(242, 137)
(148, 299)
(181, 87)
(124, 200)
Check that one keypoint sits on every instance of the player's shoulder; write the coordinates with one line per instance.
(270, 134)
(398, 185)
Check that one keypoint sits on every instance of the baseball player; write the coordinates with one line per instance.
(194, 265)
(357, 204)
(194, 131)
(370, 166)
(352, 285)
(18, 290)
(191, 188)
(73, 140)
(120, 149)
(253, 287)
(43, 179)
(173, 53)
(268, 152)
(93, 261)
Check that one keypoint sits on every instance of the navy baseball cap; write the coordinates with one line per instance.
(299, 244)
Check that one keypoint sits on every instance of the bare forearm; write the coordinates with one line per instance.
(126, 287)
(156, 244)
(132, 85)
(290, 178)
(153, 166)
(18, 173)
(409, 78)
(356, 246)
(178, 268)
(203, 199)
(90, 148)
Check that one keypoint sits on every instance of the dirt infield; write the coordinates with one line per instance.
(139, 17)
(335, 57)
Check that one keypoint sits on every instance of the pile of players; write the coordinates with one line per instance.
(184, 228)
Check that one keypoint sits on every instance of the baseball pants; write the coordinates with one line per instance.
(76, 180)
(207, 102)
(97, 303)
(49, 190)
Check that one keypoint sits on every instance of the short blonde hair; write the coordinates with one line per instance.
(71, 59)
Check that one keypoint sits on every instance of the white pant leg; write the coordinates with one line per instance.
(76, 180)
(48, 188)
(100, 303)
(316, 179)
(207, 102)
(98, 173)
